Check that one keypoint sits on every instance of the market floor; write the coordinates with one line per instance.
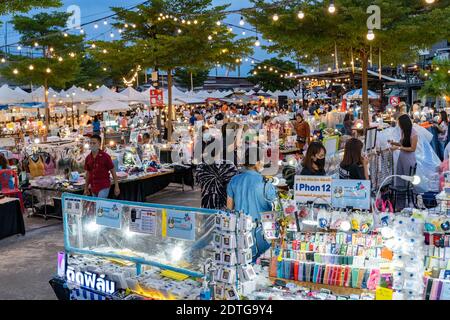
(28, 262)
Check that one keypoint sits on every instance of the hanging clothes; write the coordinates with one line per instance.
(36, 166)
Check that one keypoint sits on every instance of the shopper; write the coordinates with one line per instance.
(96, 126)
(354, 166)
(98, 165)
(314, 162)
(442, 128)
(302, 130)
(141, 145)
(349, 121)
(250, 193)
(3, 162)
(407, 147)
(213, 179)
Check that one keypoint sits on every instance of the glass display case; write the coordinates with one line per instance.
(169, 237)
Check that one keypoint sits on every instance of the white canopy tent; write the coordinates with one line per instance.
(9, 96)
(81, 95)
(105, 93)
(38, 95)
(133, 95)
(108, 105)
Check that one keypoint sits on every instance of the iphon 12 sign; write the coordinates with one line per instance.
(313, 188)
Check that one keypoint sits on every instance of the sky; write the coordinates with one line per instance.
(96, 9)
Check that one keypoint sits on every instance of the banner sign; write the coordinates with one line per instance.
(313, 188)
(351, 194)
(156, 98)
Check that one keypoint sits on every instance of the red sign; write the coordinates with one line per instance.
(394, 101)
(156, 98)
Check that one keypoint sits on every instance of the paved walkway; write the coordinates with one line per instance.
(27, 263)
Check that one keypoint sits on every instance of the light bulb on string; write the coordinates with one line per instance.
(96, 26)
(81, 31)
(31, 67)
(218, 23)
(301, 15)
(126, 25)
(93, 46)
(243, 33)
(48, 70)
(275, 17)
(105, 22)
(429, 1)
(36, 44)
(257, 43)
(3, 60)
(111, 35)
(179, 31)
(242, 22)
(210, 37)
(15, 71)
(331, 7)
(19, 48)
(65, 34)
(370, 35)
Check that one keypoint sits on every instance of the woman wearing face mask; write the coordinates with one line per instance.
(314, 162)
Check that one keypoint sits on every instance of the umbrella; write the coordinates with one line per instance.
(108, 105)
(357, 95)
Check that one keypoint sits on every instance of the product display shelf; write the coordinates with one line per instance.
(317, 287)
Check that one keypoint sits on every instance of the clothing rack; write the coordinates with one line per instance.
(381, 163)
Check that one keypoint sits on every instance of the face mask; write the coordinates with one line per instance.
(320, 163)
(94, 148)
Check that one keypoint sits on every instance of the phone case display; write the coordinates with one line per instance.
(407, 245)
(142, 231)
(233, 240)
(95, 278)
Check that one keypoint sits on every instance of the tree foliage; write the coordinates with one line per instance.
(11, 6)
(43, 32)
(183, 76)
(268, 79)
(157, 43)
(438, 83)
(407, 27)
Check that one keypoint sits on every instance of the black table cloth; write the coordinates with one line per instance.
(138, 190)
(11, 218)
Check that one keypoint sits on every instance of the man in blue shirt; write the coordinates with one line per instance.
(250, 193)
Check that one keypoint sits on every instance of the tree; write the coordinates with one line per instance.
(407, 27)
(268, 74)
(11, 6)
(438, 80)
(116, 59)
(170, 34)
(58, 54)
(189, 78)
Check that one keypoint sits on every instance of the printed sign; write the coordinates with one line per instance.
(394, 101)
(108, 214)
(313, 188)
(156, 98)
(143, 220)
(73, 206)
(180, 225)
(383, 294)
(351, 194)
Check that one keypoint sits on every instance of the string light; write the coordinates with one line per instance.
(65, 34)
(370, 35)
(257, 43)
(301, 15)
(179, 31)
(60, 59)
(275, 17)
(15, 71)
(242, 22)
(48, 70)
(81, 31)
(332, 8)
(31, 67)
(19, 48)
(210, 37)
(96, 26)
(3, 60)
(429, 1)
(218, 23)
(105, 22)
(36, 44)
